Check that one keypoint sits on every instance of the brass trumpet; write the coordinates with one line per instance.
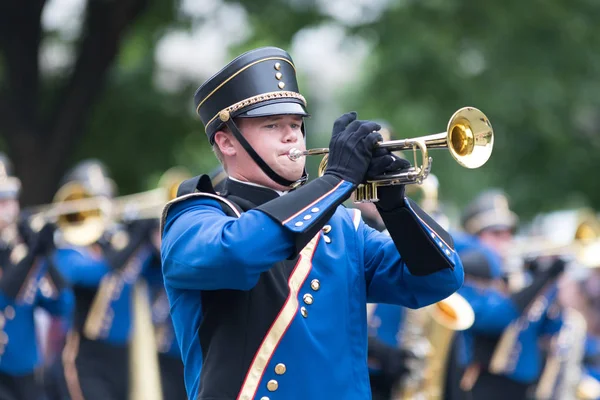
(469, 137)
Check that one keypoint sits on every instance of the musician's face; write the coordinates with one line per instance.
(9, 212)
(272, 138)
(498, 239)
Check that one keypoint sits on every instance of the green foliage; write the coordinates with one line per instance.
(531, 67)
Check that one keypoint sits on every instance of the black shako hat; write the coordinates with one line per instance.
(258, 83)
(489, 210)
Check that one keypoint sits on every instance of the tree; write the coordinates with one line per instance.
(43, 122)
(529, 66)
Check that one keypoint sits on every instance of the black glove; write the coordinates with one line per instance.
(351, 148)
(45, 239)
(142, 227)
(392, 361)
(139, 234)
(384, 162)
(523, 298)
(552, 265)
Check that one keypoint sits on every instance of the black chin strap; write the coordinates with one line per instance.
(261, 163)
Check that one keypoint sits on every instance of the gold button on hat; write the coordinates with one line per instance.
(304, 312)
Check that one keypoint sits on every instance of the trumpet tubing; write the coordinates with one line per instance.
(469, 137)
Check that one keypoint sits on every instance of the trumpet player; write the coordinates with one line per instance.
(27, 280)
(103, 272)
(268, 281)
(500, 354)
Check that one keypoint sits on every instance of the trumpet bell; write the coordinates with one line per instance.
(470, 137)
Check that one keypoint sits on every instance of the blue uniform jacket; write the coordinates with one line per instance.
(501, 335)
(104, 304)
(315, 344)
(19, 350)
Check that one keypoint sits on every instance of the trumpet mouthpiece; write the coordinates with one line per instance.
(295, 154)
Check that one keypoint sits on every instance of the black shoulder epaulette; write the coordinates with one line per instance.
(199, 186)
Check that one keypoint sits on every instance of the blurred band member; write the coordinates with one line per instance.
(103, 270)
(500, 357)
(27, 280)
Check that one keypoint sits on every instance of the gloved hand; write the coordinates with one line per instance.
(396, 364)
(351, 148)
(523, 298)
(553, 266)
(45, 239)
(384, 162)
(142, 228)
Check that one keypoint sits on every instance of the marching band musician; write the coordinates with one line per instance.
(27, 280)
(96, 355)
(268, 282)
(581, 290)
(500, 354)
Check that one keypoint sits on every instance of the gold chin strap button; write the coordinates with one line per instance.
(327, 239)
(315, 284)
(272, 385)
(327, 229)
(280, 369)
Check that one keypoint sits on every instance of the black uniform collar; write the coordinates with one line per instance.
(256, 195)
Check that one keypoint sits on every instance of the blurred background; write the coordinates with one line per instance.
(114, 80)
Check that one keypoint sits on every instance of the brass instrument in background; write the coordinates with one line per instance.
(579, 241)
(144, 368)
(429, 332)
(82, 218)
(469, 137)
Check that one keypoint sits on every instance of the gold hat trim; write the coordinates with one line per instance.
(224, 114)
(239, 72)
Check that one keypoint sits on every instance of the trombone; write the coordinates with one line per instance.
(82, 218)
(469, 137)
